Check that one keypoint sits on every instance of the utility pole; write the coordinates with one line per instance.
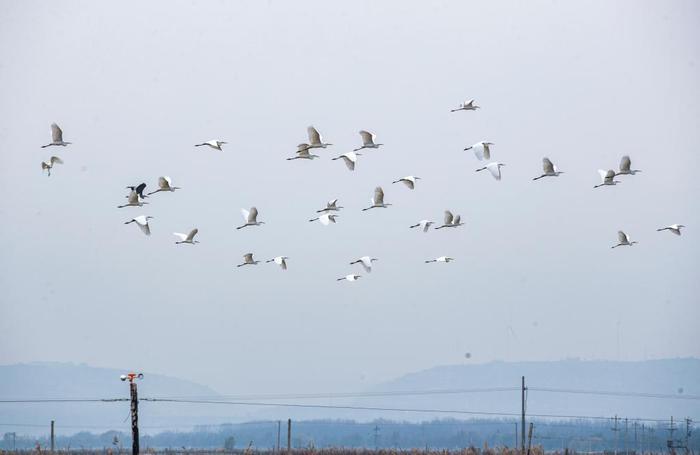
(516, 436)
(52, 436)
(529, 439)
(670, 443)
(376, 436)
(289, 436)
(688, 429)
(636, 448)
(279, 428)
(132, 377)
(625, 439)
(615, 429)
(522, 416)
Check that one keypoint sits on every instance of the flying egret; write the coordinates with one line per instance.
(349, 278)
(315, 138)
(164, 184)
(142, 222)
(451, 220)
(331, 206)
(187, 238)
(550, 170)
(325, 219)
(350, 159)
(494, 168)
(139, 190)
(623, 240)
(606, 178)
(482, 150)
(625, 164)
(445, 259)
(423, 224)
(368, 141)
(133, 200)
(279, 260)
(466, 106)
(214, 143)
(377, 200)
(675, 228)
(250, 218)
(56, 137)
(303, 153)
(409, 181)
(366, 262)
(49, 164)
(248, 260)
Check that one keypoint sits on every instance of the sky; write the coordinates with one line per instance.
(135, 85)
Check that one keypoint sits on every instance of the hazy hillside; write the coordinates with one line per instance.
(677, 377)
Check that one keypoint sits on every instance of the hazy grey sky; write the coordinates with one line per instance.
(134, 85)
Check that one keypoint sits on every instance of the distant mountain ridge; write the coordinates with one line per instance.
(676, 379)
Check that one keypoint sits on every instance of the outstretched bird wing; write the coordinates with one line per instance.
(622, 237)
(314, 136)
(192, 233)
(625, 163)
(547, 166)
(56, 133)
(367, 137)
(253, 216)
(378, 196)
(448, 217)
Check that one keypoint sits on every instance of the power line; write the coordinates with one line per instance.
(66, 400)
(619, 394)
(387, 409)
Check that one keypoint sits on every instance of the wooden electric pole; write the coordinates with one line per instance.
(132, 377)
(134, 419)
(279, 427)
(529, 439)
(522, 416)
(52, 437)
(289, 436)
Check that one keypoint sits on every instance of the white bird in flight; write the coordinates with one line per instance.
(675, 228)
(48, 165)
(214, 143)
(623, 240)
(56, 137)
(625, 164)
(377, 200)
(279, 260)
(142, 222)
(409, 181)
(315, 138)
(445, 259)
(466, 106)
(349, 158)
(250, 217)
(366, 262)
(423, 224)
(303, 153)
(187, 238)
(494, 168)
(349, 278)
(248, 260)
(368, 141)
(331, 206)
(139, 190)
(607, 178)
(451, 220)
(133, 200)
(550, 170)
(325, 219)
(482, 150)
(164, 184)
